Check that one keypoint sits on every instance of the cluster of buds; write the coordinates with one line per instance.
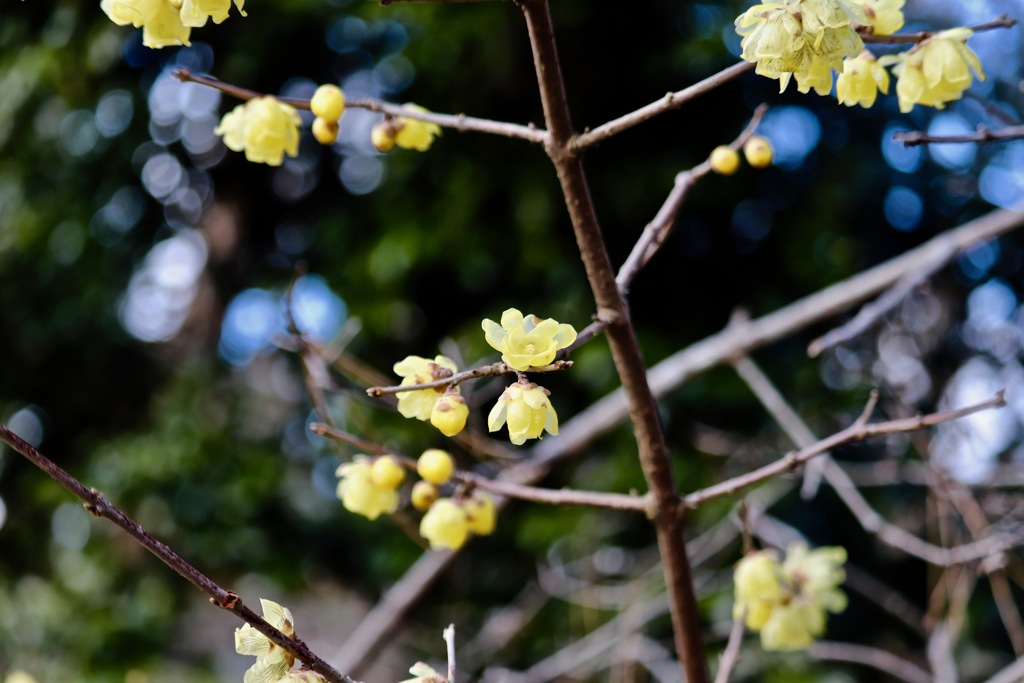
(809, 39)
(786, 601)
(369, 487)
(725, 160)
(327, 104)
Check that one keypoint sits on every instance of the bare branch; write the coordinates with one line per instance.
(449, 640)
(459, 122)
(670, 101)
(97, 504)
(454, 380)
(872, 657)
(731, 655)
(911, 138)
(1011, 674)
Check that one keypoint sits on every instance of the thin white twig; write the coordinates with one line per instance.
(449, 639)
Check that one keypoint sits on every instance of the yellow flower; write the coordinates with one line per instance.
(423, 495)
(445, 525)
(527, 410)
(787, 601)
(450, 414)
(860, 81)
(196, 12)
(758, 151)
(527, 342)
(424, 674)
(885, 17)
(435, 465)
(264, 127)
(417, 370)
(328, 102)
(385, 473)
(481, 514)
(801, 38)
(724, 160)
(19, 676)
(159, 20)
(414, 134)
(936, 71)
(272, 662)
(358, 492)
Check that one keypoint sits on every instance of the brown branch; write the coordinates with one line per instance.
(659, 229)
(454, 380)
(670, 101)
(911, 138)
(612, 309)
(459, 122)
(858, 431)
(872, 657)
(1003, 21)
(97, 504)
(731, 655)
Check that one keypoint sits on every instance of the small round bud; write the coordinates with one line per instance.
(435, 465)
(444, 525)
(328, 102)
(386, 473)
(480, 513)
(450, 414)
(383, 137)
(325, 132)
(724, 160)
(423, 495)
(758, 151)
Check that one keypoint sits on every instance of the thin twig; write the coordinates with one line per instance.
(983, 135)
(872, 657)
(459, 122)
(449, 640)
(858, 431)
(670, 101)
(731, 655)
(491, 370)
(659, 229)
(97, 504)
(1010, 674)
(1002, 21)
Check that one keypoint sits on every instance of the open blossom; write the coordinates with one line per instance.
(527, 410)
(885, 17)
(418, 370)
(264, 128)
(166, 22)
(526, 342)
(360, 492)
(936, 71)
(414, 134)
(805, 39)
(860, 81)
(787, 602)
(196, 12)
(272, 662)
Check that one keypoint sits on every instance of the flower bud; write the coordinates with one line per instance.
(724, 160)
(383, 137)
(445, 525)
(328, 102)
(435, 465)
(450, 414)
(423, 495)
(758, 151)
(325, 131)
(480, 513)
(386, 473)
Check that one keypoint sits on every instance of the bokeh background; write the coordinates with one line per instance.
(142, 269)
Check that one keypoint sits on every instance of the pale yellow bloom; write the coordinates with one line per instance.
(787, 601)
(358, 492)
(526, 342)
(424, 674)
(445, 525)
(936, 71)
(528, 411)
(159, 20)
(450, 414)
(196, 12)
(481, 514)
(417, 370)
(885, 17)
(264, 128)
(385, 473)
(860, 81)
(272, 662)
(805, 39)
(414, 134)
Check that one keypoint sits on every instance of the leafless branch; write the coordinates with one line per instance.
(871, 657)
(1003, 21)
(731, 655)
(454, 380)
(912, 138)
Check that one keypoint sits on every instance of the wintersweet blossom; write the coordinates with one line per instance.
(264, 127)
(160, 20)
(272, 661)
(805, 39)
(481, 513)
(885, 17)
(787, 602)
(449, 414)
(358, 492)
(936, 71)
(415, 134)
(417, 370)
(196, 12)
(424, 673)
(445, 525)
(527, 410)
(526, 342)
(860, 81)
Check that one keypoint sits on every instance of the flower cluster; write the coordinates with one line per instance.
(404, 132)
(808, 39)
(273, 664)
(167, 22)
(368, 487)
(758, 152)
(787, 601)
(444, 407)
(264, 128)
(327, 104)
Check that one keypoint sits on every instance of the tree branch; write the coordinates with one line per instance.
(459, 122)
(1002, 21)
(97, 504)
(872, 657)
(911, 138)
(491, 370)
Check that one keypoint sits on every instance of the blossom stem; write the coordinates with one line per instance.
(459, 122)
(1002, 21)
(476, 373)
(97, 504)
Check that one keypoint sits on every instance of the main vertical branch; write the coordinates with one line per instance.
(613, 311)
